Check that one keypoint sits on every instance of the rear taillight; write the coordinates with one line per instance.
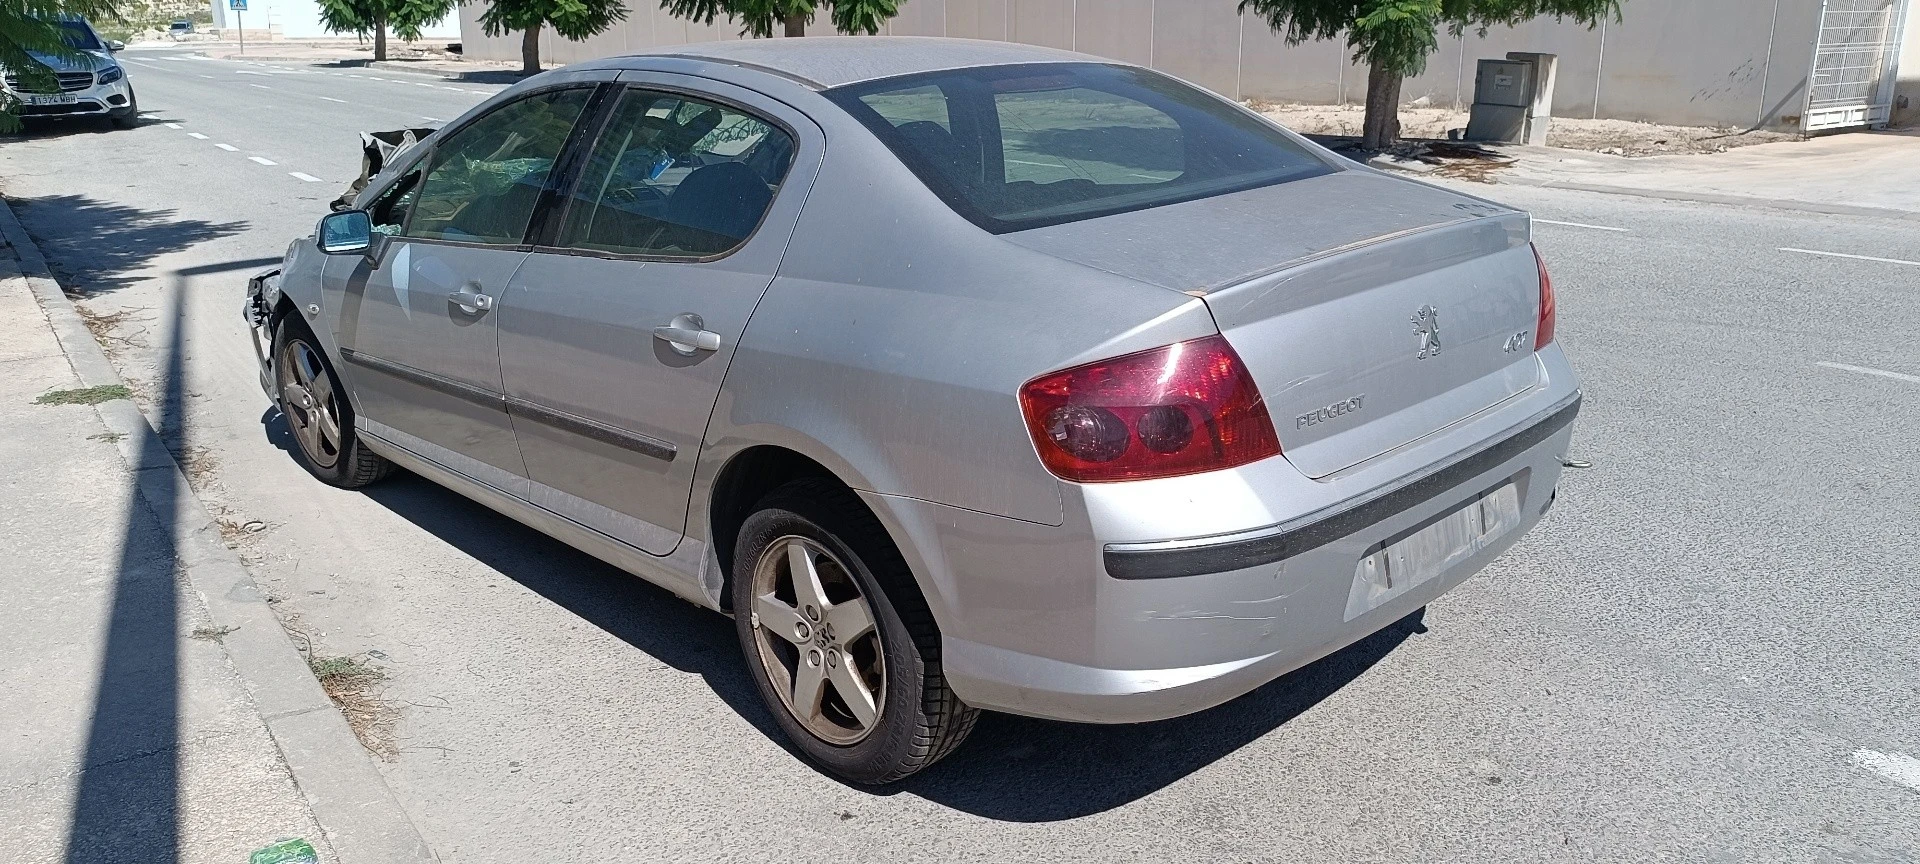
(1182, 409)
(1543, 331)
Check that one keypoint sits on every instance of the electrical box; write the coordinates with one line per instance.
(1513, 98)
(1503, 82)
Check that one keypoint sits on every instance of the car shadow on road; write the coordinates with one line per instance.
(96, 247)
(1013, 769)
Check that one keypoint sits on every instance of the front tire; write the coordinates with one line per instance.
(318, 411)
(840, 642)
(128, 117)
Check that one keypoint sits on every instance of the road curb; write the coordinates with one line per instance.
(363, 821)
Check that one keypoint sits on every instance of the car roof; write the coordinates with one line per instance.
(831, 61)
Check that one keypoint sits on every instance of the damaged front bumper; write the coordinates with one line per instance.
(263, 293)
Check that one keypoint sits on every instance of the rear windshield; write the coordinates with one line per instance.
(1018, 147)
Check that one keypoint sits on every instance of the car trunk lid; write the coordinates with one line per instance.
(1371, 311)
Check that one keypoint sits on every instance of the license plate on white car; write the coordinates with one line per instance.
(1430, 551)
(50, 99)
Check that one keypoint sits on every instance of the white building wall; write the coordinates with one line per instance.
(300, 19)
(1736, 63)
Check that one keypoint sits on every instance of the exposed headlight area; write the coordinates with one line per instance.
(112, 74)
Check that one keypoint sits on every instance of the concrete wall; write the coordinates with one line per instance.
(1734, 63)
(1906, 94)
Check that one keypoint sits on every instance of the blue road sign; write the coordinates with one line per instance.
(237, 5)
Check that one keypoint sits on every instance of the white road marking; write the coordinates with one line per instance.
(261, 86)
(305, 176)
(481, 92)
(1898, 767)
(227, 147)
(433, 119)
(371, 77)
(331, 99)
(454, 89)
(172, 125)
(421, 84)
(1864, 370)
(263, 161)
(196, 135)
(207, 76)
(1578, 225)
(141, 65)
(247, 72)
(1854, 257)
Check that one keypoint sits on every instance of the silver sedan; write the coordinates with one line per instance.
(962, 375)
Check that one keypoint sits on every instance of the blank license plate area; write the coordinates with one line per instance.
(60, 99)
(1430, 551)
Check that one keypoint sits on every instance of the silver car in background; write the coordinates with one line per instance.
(962, 375)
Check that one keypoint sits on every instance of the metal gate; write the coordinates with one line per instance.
(1853, 64)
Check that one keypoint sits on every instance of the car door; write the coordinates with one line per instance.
(616, 332)
(418, 324)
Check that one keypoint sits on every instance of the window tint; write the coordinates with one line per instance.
(486, 178)
(675, 176)
(389, 213)
(79, 36)
(1016, 147)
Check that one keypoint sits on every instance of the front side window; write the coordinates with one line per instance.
(1022, 146)
(677, 177)
(487, 178)
(389, 212)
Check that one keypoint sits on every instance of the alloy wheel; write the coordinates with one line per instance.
(817, 641)
(311, 403)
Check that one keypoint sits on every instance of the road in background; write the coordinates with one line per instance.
(1706, 652)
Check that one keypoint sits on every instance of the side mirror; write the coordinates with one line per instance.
(347, 232)
(115, 45)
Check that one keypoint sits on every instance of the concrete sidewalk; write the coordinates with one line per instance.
(156, 712)
(1857, 173)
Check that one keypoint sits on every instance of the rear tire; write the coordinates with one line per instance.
(318, 411)
(887, 658)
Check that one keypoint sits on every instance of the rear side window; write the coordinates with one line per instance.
(675, 177)
(1017, 147)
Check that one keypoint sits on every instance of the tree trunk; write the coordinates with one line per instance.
(1382, 126)
(380, 41)
(530, 50)
(796, 24)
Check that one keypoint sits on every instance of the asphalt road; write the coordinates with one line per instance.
(1709, 652)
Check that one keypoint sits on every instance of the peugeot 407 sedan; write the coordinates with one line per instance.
(964, 376)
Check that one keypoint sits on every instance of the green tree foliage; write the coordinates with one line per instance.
(1394, 37)
(26, 29)
(402, 18)
(757, 17)
(572, 19)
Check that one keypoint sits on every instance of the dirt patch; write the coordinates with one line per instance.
(199, 464)
(1616, 137)
(352, 683)
(106, 328)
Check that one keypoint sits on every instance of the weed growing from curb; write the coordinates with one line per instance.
(85, 395)
(350, 683)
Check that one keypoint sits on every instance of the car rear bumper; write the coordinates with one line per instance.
(1084, 622)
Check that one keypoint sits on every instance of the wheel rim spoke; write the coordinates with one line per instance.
(809, 684)
(850, 620)
(323, 407)
(782, 620)
(807, 590)
(853, 691)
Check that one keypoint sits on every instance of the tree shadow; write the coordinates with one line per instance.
(1013, 769)
(95, 247)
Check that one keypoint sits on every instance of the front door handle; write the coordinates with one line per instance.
(687, 335)
(470, 300)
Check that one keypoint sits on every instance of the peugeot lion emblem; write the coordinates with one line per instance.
(1426, 323)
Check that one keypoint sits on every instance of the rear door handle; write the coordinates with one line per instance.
(687, 335)
(470, 300)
